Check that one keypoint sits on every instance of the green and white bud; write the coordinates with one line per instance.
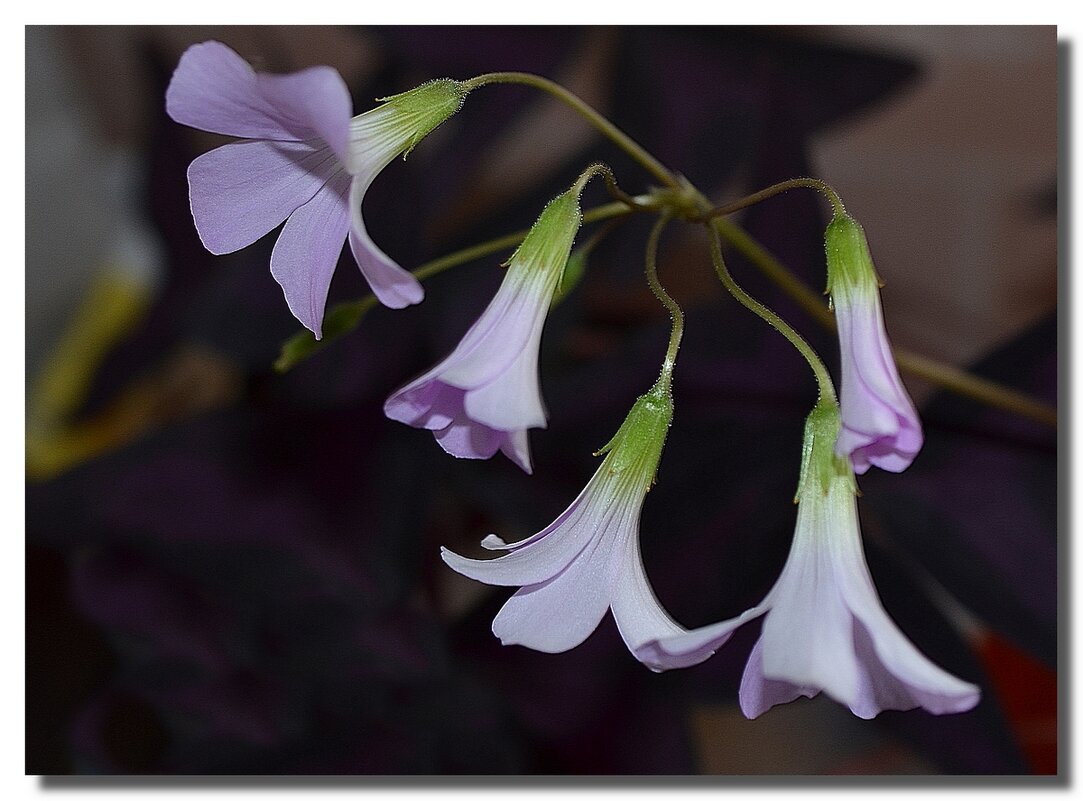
(404, 120)
(850, 271)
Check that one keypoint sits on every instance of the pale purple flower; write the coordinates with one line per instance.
(588, 560)
(825, 628)
(304, 161)
(880, 425)
(485, 395)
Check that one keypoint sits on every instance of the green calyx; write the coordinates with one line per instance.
(419, 111)
(550, 239)
(636, 448)
(820, 465)
(849, 262)
(573, 273)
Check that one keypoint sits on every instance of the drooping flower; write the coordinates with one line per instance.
(485, 395)
(304, 161)
(587, 561)
(879, 423)
(825, 628)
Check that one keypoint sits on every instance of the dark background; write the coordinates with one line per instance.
(231, 571)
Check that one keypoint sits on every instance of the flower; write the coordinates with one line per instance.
(879, 423)
(587, 561)
(825, 628)
(304, 161)
(485, 395)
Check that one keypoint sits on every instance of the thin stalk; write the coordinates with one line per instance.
(675, 312)
(618, 194)
(778, 189)
(580, 107)
(806, 297)
(823, 378)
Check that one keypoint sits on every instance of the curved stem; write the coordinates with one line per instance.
(676, 314)
(806, 297)
(618, 194)
(608, 129)
(778, 189)
(823, 378)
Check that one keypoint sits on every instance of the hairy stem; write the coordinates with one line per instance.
(778, 189)
(675, 312)
(823, 378)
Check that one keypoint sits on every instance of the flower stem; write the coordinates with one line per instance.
(618, 194)
(675, 312)
(607, 128)
(778, 189)
(823, 378)
(806, 297)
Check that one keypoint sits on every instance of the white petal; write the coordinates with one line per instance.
(808, 636)
(544, 555)
(640, 618)
(516, 446)
(513, 399)
(673, 651)
(307, 251)
(391, 284)
(559, 614)
(758, 694)
(895, 674)
(511, 323)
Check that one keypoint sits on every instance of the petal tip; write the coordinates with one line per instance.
(400, 295)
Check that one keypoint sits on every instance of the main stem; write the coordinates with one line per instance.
(608, 129)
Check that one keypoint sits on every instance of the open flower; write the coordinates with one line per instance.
(825, 628)
(485, 395)
(879, 423)
(587, 561)
(304, 161)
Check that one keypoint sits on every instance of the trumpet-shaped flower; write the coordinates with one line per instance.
(304, 161)
(825, 628)
(879, 423)
(485, 395)
(587, 561)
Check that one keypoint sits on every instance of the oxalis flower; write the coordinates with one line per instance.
(825, 628)
(485, 395)
(305, 162)
(879, 423)
(587, 560)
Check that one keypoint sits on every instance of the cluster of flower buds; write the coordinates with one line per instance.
(307, 161)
